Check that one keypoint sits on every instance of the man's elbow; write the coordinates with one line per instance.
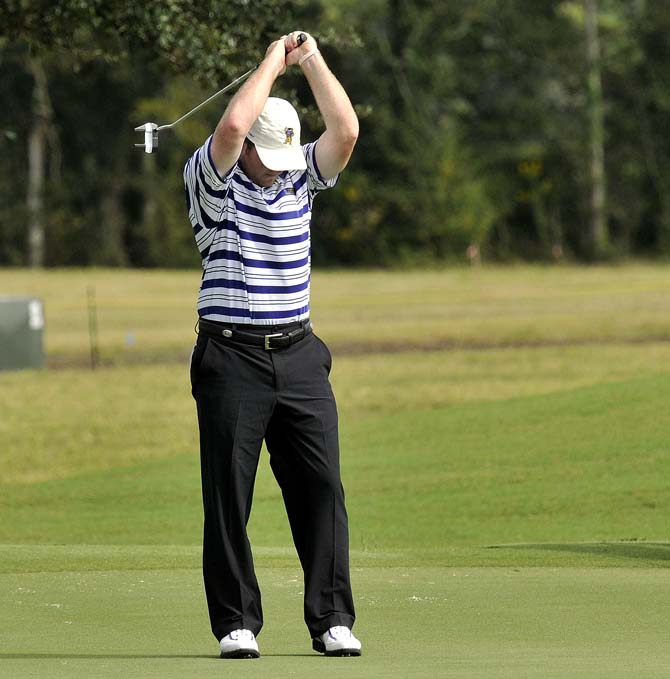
(349, 136)
(231, 129)
(352, 130)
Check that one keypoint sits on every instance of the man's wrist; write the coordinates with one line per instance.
(308, 55)
(273, 67)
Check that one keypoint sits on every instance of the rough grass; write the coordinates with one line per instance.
(149, 315)
(588, 464)
(58, 423)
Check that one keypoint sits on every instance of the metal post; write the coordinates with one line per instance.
(93, 327)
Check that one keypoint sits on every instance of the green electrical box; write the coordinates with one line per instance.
(21, 333)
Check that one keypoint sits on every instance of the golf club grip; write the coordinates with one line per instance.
(301, 38)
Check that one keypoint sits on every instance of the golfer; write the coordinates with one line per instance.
(258, 371)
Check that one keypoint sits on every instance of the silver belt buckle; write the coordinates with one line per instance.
(267, 338)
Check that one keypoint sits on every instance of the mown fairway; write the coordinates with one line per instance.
(506, 455)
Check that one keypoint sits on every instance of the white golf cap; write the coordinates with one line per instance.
(276, 136)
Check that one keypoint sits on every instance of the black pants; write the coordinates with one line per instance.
(244, 394)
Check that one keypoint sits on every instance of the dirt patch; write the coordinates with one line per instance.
(65, 361)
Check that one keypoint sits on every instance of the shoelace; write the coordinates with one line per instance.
(240, 634)
(339, 631)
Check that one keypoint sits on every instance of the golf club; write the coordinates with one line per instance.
(151, 130)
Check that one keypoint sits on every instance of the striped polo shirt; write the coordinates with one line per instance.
(254, 241)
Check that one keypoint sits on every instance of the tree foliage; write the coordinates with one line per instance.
(477, 124)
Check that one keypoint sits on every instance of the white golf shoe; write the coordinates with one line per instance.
(240, 643)
(337, 641)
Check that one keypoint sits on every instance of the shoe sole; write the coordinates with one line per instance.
(241, 653)
(320, 647)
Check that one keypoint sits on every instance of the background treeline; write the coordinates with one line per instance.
(502, 129)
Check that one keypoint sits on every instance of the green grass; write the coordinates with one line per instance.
(586, 464)
(486, 307)
(416, 622)
(58, 423)
(505, 452)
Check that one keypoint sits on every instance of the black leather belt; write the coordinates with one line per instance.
(293, 333)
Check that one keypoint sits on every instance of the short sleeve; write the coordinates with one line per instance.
(206, 193)
(206, 190)
(315, 181)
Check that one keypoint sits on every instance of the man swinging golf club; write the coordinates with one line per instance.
(258, 371)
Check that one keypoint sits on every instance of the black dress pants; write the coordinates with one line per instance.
(244, 394)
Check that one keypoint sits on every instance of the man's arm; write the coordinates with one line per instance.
(336, 144)
(245, 107)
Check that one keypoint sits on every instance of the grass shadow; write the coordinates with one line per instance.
(647, 551)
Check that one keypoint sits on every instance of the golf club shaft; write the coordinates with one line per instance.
(237, 81)
(301, 38)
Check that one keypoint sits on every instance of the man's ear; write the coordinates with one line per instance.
(247, 147)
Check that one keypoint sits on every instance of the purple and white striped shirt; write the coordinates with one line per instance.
(254, 241)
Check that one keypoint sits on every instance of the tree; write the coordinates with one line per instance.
(209, 40)
(647, 96)
(598, 218)
(41, 133)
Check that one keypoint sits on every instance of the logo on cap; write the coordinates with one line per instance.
(288, 131)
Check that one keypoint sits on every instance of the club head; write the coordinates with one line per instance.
(150, 136)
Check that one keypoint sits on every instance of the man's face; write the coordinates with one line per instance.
(254, 168)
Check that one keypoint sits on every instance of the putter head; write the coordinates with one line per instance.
(150, 136)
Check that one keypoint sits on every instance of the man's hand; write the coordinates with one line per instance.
(276, 54)
(294, 50)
